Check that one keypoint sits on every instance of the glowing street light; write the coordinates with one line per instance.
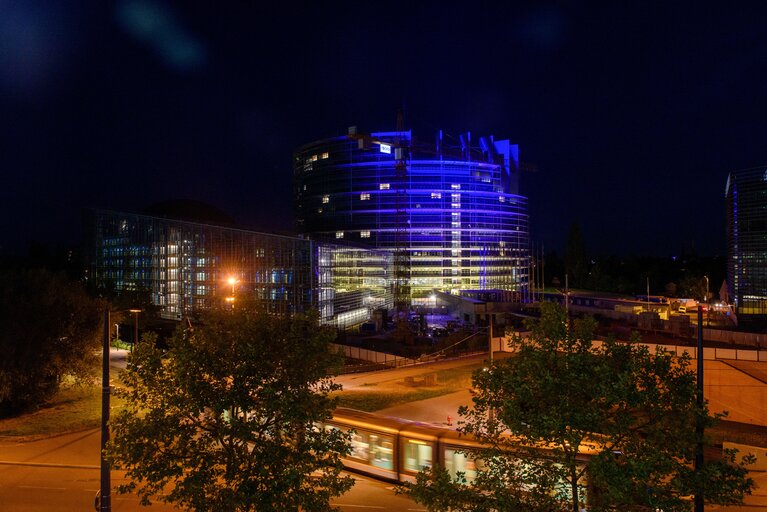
(232, 282)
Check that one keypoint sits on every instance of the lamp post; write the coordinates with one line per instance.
(699, 427)
(105, 500)
(707, 303)
(232, 282)
(135, 324)
(105, 493)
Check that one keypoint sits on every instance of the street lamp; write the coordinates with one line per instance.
(708, 307)
(105, 492)
(232, 282)
(135, 324)
(706, 278)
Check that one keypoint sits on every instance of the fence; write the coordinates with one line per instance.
(373, 356)
(709, 353)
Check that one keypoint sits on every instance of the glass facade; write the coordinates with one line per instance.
(187, 267)
(746, 197)
(464, 224)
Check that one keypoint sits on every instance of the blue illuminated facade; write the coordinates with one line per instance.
(458, 209)
(746, 197)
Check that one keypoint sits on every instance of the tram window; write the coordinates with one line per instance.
(382, 451)
(417, 455)
(360, 447)
(374, 449)
(457, 462)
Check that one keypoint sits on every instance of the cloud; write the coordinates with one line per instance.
(157, 27)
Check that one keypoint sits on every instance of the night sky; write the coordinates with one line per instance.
(632, 113)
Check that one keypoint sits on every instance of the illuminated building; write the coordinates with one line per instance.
(187, 267)
(455, 211)
(746, 196)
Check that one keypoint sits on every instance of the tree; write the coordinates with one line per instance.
(693, 287)
(226, 419)
(559, 395)
(49, 328)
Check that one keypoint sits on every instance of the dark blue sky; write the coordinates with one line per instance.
(632, 113)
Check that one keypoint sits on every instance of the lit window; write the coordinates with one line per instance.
(339, 234)
(436, 195)
(384, 186)
(455, 186)
(325, 155)
(313, 158)
(364, 196)
(364, 234)
(325, 199)
(502, 199)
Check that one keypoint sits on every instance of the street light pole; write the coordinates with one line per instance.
(105, 493)
(135, 325)
(708, 305)
(490, 332)
(698, 421)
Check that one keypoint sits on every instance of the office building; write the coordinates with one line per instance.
(746, 197)
(189, 266)
(450, 211)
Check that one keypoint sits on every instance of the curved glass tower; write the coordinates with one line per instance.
(453, 212)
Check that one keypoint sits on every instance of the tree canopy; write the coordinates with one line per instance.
(50, 328)
(566, 420)
(226, 419)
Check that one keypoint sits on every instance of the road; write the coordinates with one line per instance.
(356, 380)
(61, 473)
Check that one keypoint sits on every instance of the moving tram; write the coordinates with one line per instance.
(396, 449)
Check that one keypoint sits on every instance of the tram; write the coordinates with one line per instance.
(396, 450)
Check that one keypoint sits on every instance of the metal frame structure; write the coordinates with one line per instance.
(187, 267)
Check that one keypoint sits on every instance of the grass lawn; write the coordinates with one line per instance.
(381, 395)
(73, 408)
